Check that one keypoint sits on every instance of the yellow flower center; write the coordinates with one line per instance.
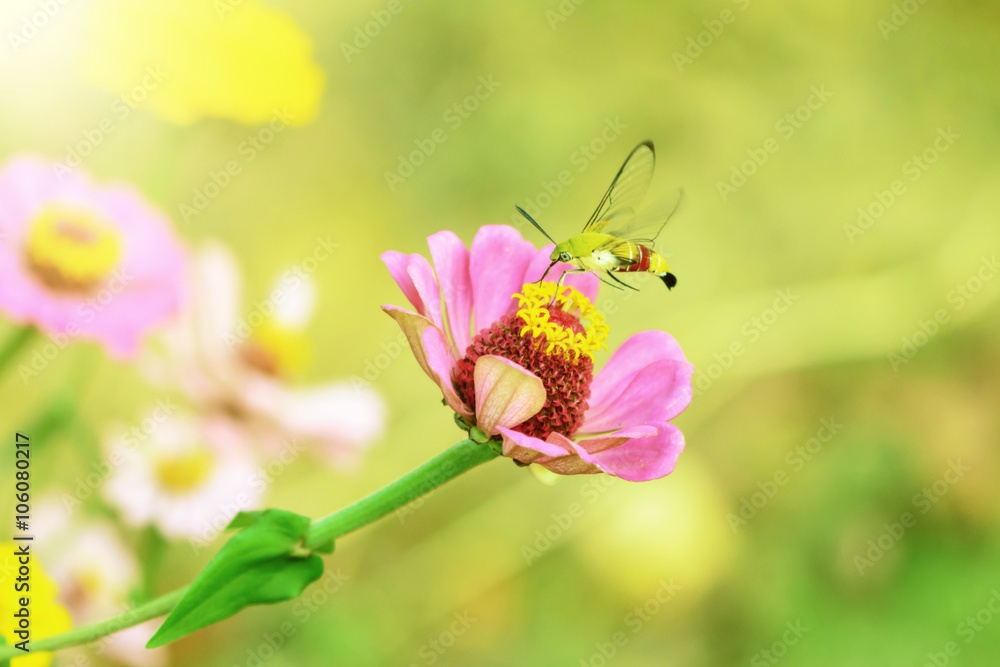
(70, 249)
(91, 580)
(186, 471)
(277, 350)
(570, 324)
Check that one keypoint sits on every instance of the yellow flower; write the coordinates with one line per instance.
(188, 59)
(46, 616)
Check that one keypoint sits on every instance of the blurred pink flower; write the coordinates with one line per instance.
(82, 260)
(182, 481)
(237, 370)
(517, 359)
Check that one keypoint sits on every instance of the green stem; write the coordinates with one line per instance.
(15, 344)
(447, 465)
(153, 547)
(89, 633)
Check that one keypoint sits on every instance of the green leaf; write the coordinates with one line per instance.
(244, 519)
(262, 564)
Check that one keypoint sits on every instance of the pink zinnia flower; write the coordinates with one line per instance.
(516, 358)
(82, 260)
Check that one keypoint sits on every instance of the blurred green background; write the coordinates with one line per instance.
(730, 585)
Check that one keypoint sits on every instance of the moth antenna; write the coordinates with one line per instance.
(532, 221)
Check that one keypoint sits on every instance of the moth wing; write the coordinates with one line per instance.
(627, 190)
(645, 227)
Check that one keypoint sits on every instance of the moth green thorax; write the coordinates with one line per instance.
(619, 238)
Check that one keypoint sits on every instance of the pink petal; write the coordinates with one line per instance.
(219, 293)
(637, 459)
(431, 351)
(442, 363)
(646, 398)
(341, 419)
(528, 449)
(585, 283)
(425, 283)
(616, 438)
(648, 379)
(451, 264)
(498, 258)
(639, 350)
(199, 352)
(506, 394)
(556, 455)
(398, 265)
(26, 184)
(129, 647)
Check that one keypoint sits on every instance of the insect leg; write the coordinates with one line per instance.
(563, 276)
(612, 276)
(609, 284)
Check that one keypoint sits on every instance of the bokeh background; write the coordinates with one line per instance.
(804, 319)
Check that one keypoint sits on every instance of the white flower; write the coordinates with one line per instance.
(129, 646)
(182, 481)
(95, 572)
